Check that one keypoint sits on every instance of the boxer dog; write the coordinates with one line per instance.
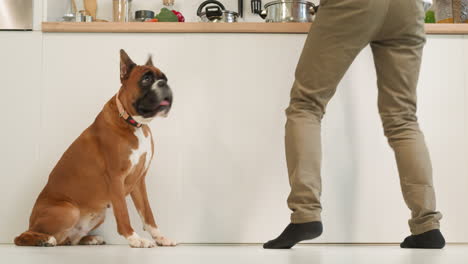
(108, 161)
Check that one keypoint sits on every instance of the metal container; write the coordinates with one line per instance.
(69, 17)
(79, 17)
(289, 11)
(122, 10)
(16, 14)
(143, 15)
(227, 17)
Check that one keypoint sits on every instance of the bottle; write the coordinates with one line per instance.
(168, 4)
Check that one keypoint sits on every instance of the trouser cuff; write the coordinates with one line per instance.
(299, 219)
(424, 228)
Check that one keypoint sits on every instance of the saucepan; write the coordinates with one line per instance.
(289, 11)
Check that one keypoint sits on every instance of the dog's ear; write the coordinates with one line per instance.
(126, 65)
(150, 61)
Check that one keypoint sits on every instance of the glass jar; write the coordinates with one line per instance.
(169, 4)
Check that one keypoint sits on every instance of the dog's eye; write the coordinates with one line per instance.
(147, 79)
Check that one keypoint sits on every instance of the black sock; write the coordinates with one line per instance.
(429, 239)
(295, 233)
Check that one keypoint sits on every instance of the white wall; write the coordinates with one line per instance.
(56, 8)
(219, 174)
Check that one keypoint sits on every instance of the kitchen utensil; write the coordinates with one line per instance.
(74, 9)
(215, 11)
(256, 6)
(91, 7)
(210, 10)
(122, 10)
(143, 15)
(228, 17)
(71, 15)
(240, 7)
(289, 11)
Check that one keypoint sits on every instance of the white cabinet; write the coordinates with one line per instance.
(219, 173)
(20, 108)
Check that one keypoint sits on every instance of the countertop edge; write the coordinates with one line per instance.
(199, 27)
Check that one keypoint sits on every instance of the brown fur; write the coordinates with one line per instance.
(30, 238)
(93, 173)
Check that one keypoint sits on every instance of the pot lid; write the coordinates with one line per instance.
(230, 12)
(224, 12)
(289, 1)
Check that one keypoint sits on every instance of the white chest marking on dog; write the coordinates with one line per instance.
(144, 148)
(143, 120)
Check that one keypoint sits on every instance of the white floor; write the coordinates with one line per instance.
(239, 254)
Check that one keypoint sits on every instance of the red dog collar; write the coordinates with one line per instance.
(123, 114)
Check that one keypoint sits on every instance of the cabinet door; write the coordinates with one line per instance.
(20, 105)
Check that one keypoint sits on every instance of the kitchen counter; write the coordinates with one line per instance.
(221, 151)
(198, 27)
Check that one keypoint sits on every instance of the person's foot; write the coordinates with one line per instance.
(294, 233)
(430, 239)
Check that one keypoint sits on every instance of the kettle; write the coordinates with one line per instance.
(214, 11)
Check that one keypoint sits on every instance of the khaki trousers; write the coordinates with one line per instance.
(395, 31)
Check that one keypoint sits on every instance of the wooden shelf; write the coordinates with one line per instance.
(452, 29)
(196, 27)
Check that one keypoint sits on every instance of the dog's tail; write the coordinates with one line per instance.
(35, 239)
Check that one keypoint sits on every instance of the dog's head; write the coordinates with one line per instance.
(145, 93)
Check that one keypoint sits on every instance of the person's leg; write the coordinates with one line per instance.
(342, 29)
(397, 55)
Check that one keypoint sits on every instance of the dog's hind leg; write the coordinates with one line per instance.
(93, 239)
(35, 239)
(49, 225)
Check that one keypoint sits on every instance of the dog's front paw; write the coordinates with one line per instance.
(164, 241)
(135, 241)
(92, 240)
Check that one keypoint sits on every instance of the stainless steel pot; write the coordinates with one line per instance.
(215, 12)
(289, 11)
(227, 17)
(143, 15)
